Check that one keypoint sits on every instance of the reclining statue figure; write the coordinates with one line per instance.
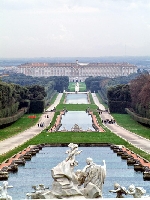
(67, 183)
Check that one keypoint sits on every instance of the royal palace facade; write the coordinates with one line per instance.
(77, 70)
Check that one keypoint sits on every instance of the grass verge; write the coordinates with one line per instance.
(76, 107)
(75, 137)
(82, 87)
(101, 101)
(79, 137)
(130, 124)
(20, 125)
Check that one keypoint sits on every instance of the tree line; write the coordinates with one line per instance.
(18, 91)
(140, 95)
(119, 93)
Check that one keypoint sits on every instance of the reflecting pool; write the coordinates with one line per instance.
(38, 171)
(77, 98)
(81, 118)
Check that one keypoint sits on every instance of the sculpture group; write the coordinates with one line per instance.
(85, 183)
(135, 192)
(68, 183)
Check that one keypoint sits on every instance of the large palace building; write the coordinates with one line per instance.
(77, 70)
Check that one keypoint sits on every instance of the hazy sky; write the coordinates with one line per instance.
(73, 28)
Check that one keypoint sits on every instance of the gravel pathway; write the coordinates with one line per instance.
(14, 141)
(134, 139)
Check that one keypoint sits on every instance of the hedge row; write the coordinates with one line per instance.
(48, 100)
(101, 94)
(37, 106)
(13, 118)
(9, 111)
(118, 106)
(143, 111)
(138, 118)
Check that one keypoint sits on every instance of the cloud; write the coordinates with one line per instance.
(65, 27)
(77, 9)
(63, 35)
(14, 5)
(45, 6)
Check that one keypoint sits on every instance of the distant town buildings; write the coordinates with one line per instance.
(77, 70)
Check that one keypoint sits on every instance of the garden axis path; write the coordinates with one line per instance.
(134, 139)
(19, 139)
(16, 140)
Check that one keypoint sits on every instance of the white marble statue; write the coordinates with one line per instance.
(65, 181)
(68, 183)
(95, 173)
(136, 192)
(92, 177)
(3, 191)
(38, 192)
(119, 190)
(72, 152)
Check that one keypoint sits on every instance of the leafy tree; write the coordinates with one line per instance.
(36, 92)
(94, 87)
(140, 95)
(119, 98)
(61, 83)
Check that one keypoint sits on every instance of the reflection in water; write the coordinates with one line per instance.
(37, 170)
(78, 98)
(81, 118)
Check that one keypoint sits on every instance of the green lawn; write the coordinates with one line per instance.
(20, 125)
(101, 101)
(128, 123)
(52, 100)
(76, 107)
(91, 99)
(82, 87)
(76, 137)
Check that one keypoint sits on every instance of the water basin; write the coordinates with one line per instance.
(81, 118)
(37, 170)
(77, 98)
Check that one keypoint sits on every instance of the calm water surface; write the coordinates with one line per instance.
(76, 117)
(38, 170)
(78, 98)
